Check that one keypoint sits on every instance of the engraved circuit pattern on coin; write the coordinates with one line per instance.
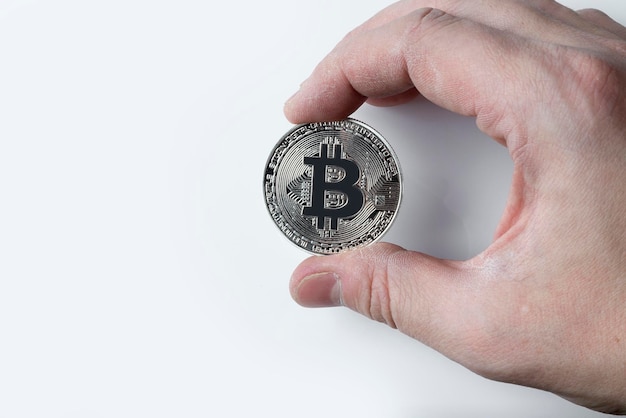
(332, 186)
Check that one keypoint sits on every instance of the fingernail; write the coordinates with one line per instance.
(300, 88)
(291, 108)
(319, 291)
(291, 98)
(288, 109)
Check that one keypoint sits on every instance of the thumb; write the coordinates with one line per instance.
(455, 307)
(420, 295)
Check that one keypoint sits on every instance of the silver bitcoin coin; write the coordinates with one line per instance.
(332, 186)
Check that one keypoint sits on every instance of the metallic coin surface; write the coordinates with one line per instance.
(332, 186)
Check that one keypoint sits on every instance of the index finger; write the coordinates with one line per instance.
(453, 62)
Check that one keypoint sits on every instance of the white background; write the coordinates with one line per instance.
(140, 274)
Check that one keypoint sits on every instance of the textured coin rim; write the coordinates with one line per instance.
(373, 131)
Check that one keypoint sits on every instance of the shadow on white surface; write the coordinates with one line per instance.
(456, 179)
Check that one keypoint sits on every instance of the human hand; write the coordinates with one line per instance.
(545, 304)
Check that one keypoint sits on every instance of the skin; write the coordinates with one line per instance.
(545, 304)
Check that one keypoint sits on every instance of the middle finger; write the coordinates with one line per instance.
(544, 20)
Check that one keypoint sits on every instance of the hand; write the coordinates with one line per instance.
(545, 304)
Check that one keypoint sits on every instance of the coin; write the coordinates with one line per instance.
(332, 186)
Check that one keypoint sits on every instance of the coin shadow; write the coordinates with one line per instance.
(456, 179)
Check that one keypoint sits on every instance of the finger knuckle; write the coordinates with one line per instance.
(547, 6)
(379, 301)
(424, 20)
(592, 14)
(375, 299)
(420, 25)
(594, 81)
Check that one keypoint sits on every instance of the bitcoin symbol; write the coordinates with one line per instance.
(334, 193)
(332, 186)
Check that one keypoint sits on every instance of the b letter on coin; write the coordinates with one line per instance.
(332, 186)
